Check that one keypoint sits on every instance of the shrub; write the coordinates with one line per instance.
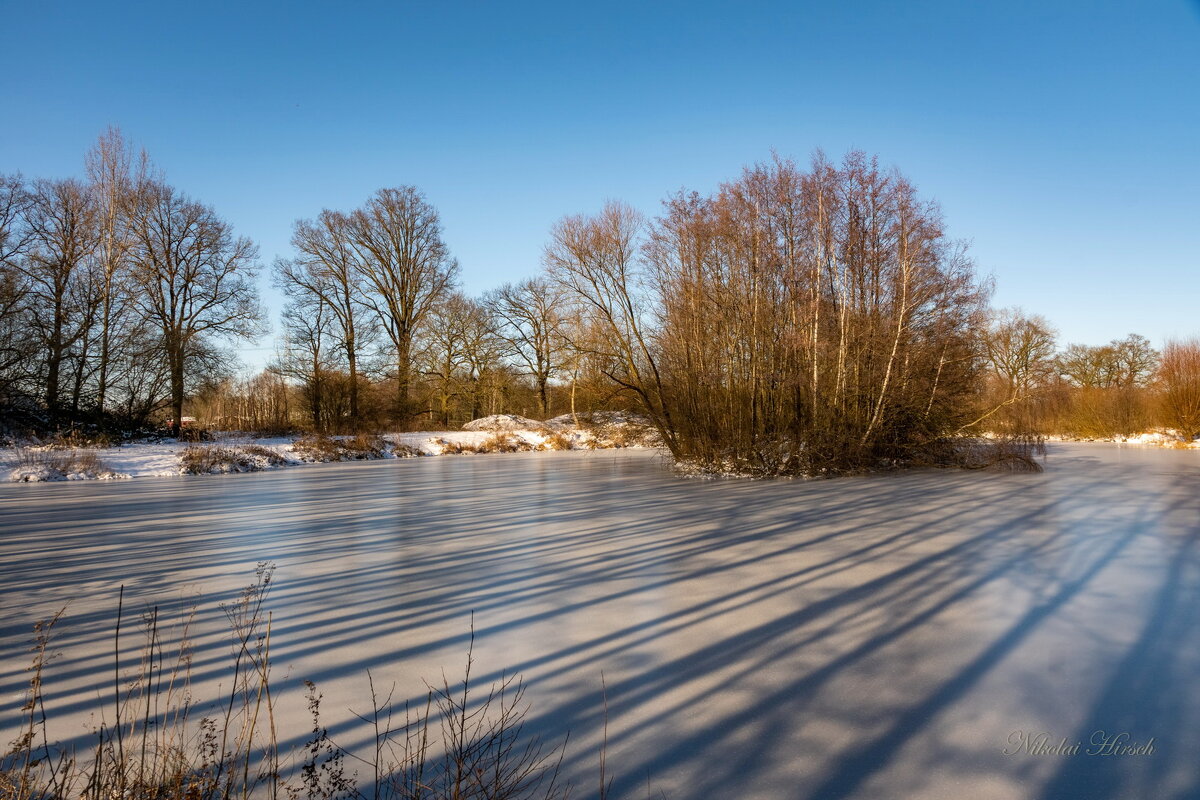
(52, 464)
(401, 450)
(215, 460)
(325, 448)
(557, 441)
(316, 448)
(450, 448)
(270, 455)
(503, 443)
(364, 446)
(75, 439)
(193, 435)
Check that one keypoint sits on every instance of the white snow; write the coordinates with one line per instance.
(503, 422)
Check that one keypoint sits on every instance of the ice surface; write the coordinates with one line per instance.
(875, 637)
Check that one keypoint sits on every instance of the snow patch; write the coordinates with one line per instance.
(503, 422)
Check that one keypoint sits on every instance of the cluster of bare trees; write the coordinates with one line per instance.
(794, 322)
(114, 292)
(1121, 388)
(375, 309)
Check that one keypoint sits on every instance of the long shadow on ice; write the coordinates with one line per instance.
(864, 637)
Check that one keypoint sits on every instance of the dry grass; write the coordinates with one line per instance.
(557, 441)
(321, 448)
(364, 446)
(462, 744)
(56, 464)
(450, 448)
(215, 460)
(76, 439)
(271, 456)
(401, 450)
(503, 443)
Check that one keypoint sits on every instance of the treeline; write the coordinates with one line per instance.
(795, 321)
(115, 293)
(1114, 390)
(122, 300)
(376, 330)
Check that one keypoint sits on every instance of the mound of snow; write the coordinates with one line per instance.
(503, 422)
(599, 418)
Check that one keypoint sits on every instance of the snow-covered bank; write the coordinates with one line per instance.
(1163, 438)
(240, 453)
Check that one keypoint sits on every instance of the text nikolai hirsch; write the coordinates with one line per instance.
(1099, 744)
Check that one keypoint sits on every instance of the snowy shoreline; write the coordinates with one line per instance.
(501, 433)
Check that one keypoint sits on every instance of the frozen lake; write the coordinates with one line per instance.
(876, 637)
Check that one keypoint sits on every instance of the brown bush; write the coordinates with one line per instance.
(450, 448)
(215, 460)
(557, 441)
(1179, 374)
(401, 450)
(503, 443)
(316, 448)
(272, 457)
(362, 447)
(75, 439)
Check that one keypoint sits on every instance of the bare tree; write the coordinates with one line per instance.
(324, 268)
(1134, 360)
(63, 240)
(445, 356)
(398, 254)
(486, 376)
(194, 280)
(529, 320)
(1020, 350)
(16, 347)
(1085, 366)
(114, 173)
(790, 323)
(310, 337)
(595, 261)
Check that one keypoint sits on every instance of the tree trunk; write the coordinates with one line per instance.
(403, 365)
(176, 366)
(543, 397)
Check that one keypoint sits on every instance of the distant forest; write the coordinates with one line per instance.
(795, 321)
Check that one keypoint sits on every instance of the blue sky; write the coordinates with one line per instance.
(1063, 139)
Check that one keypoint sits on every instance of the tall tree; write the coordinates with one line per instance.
(595, 261)
(445, 356)
(324, 268)
(1020, 349)
(114, 173)
(16, 346)
(194, 279)
(529, 319)
(309, 337)
(398, 253)
(790, 323)
(63, 240)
